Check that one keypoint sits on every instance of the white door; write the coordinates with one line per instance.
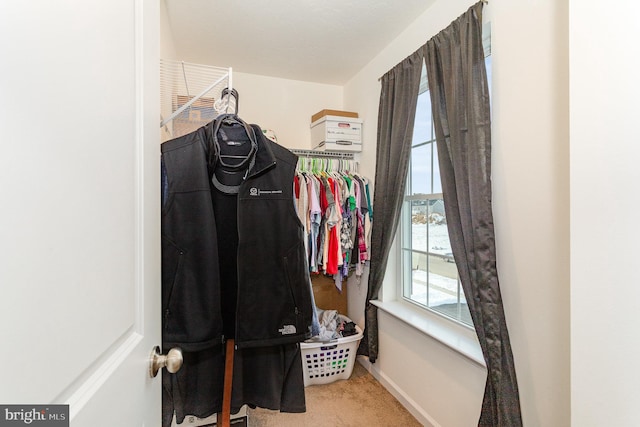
(79, 210)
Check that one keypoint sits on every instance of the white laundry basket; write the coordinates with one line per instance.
(324, 363)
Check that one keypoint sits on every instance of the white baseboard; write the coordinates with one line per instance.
(418, 412)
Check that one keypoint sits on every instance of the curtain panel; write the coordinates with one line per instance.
(460, 106)
(396, 115)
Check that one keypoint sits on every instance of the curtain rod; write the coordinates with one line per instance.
(483, 2)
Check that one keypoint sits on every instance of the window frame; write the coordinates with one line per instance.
(405, 246)
(404, 281)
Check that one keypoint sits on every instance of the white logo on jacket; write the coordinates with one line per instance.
(287, 330)
(253, 191)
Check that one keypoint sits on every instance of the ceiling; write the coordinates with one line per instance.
(325, 41)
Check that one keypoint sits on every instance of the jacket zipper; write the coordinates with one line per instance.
(167, 312)
(293, 297)
(242, 185)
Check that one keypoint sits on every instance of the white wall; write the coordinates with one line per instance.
(531, 209)
(605, 291)
(531, 198)
(167, 52)
(167, 45)
(285, 106)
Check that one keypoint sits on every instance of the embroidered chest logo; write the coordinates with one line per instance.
(256, 192)
(287, 330)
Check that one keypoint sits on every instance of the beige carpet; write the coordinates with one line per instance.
(357, 402)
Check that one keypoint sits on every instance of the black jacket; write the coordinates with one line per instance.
(273, 303)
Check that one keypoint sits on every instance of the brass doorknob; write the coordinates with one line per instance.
(172, 361)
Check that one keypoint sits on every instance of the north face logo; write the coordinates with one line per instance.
(287, 330)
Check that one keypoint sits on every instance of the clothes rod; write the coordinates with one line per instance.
(323, 154)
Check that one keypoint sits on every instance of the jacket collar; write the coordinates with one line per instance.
(264, 158)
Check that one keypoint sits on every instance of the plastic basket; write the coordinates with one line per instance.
(324, 363)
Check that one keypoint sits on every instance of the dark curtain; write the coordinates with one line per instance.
(460, 104)
(396, 114)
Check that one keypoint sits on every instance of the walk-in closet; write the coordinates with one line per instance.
(297, 94)
(304, 213)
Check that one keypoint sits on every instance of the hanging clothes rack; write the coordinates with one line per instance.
(339, 244)
(192, 95)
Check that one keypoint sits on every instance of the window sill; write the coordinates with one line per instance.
(456, 337)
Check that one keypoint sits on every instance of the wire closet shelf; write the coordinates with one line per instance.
(191, 96)
(327, 161)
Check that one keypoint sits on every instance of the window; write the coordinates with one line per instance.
(429, 272)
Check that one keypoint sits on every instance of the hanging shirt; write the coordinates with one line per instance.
(315, 215)
(337, 191)
(333, 221)
(302, 207)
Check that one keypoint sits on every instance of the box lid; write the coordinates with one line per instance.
(337, 119)
(323, 113)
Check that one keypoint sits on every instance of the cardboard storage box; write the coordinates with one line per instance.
(323, 113)
(327, 296)
(335, 133)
